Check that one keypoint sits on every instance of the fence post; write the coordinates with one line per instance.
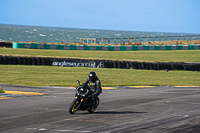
(95, 40)
(115, 40)
(172, 38)
(147, 39)
(134, 39)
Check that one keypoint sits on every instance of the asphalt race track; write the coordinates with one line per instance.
(122, 110)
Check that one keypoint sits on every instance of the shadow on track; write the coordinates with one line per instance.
(117, 112)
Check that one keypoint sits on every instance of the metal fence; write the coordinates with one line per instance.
(137, 39)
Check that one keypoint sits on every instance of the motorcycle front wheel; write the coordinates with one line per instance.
(73, 107)
(93, 109)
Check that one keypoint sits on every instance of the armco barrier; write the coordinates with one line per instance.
(105, 48)
(68, 62)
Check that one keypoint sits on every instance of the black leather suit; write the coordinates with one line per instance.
(95, 86)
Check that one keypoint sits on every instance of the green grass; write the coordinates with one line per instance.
(1, 90)
(67, 76)
(162, 56)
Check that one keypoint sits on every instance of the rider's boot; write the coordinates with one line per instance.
(94, 103)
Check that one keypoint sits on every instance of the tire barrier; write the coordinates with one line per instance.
(6, 44)
(153, 65)
(12, 60)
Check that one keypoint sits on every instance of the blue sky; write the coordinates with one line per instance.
(179, 16)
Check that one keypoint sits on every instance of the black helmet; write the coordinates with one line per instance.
(92, 76)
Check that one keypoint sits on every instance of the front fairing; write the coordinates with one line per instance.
(82, 90)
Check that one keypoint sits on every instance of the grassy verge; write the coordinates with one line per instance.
(67, 76)
(1, 90)
(165, 56)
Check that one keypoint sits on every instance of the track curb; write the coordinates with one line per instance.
(14, 94)
(142, 87)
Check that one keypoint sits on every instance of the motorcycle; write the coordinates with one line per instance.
(83, 100)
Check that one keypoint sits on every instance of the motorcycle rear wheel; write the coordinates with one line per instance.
(73, 107)
(93, 109)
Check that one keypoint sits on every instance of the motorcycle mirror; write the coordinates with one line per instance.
(78, 82)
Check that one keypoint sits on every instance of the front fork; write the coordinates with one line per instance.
(80, 102)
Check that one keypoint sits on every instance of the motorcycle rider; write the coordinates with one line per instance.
(95, 86)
